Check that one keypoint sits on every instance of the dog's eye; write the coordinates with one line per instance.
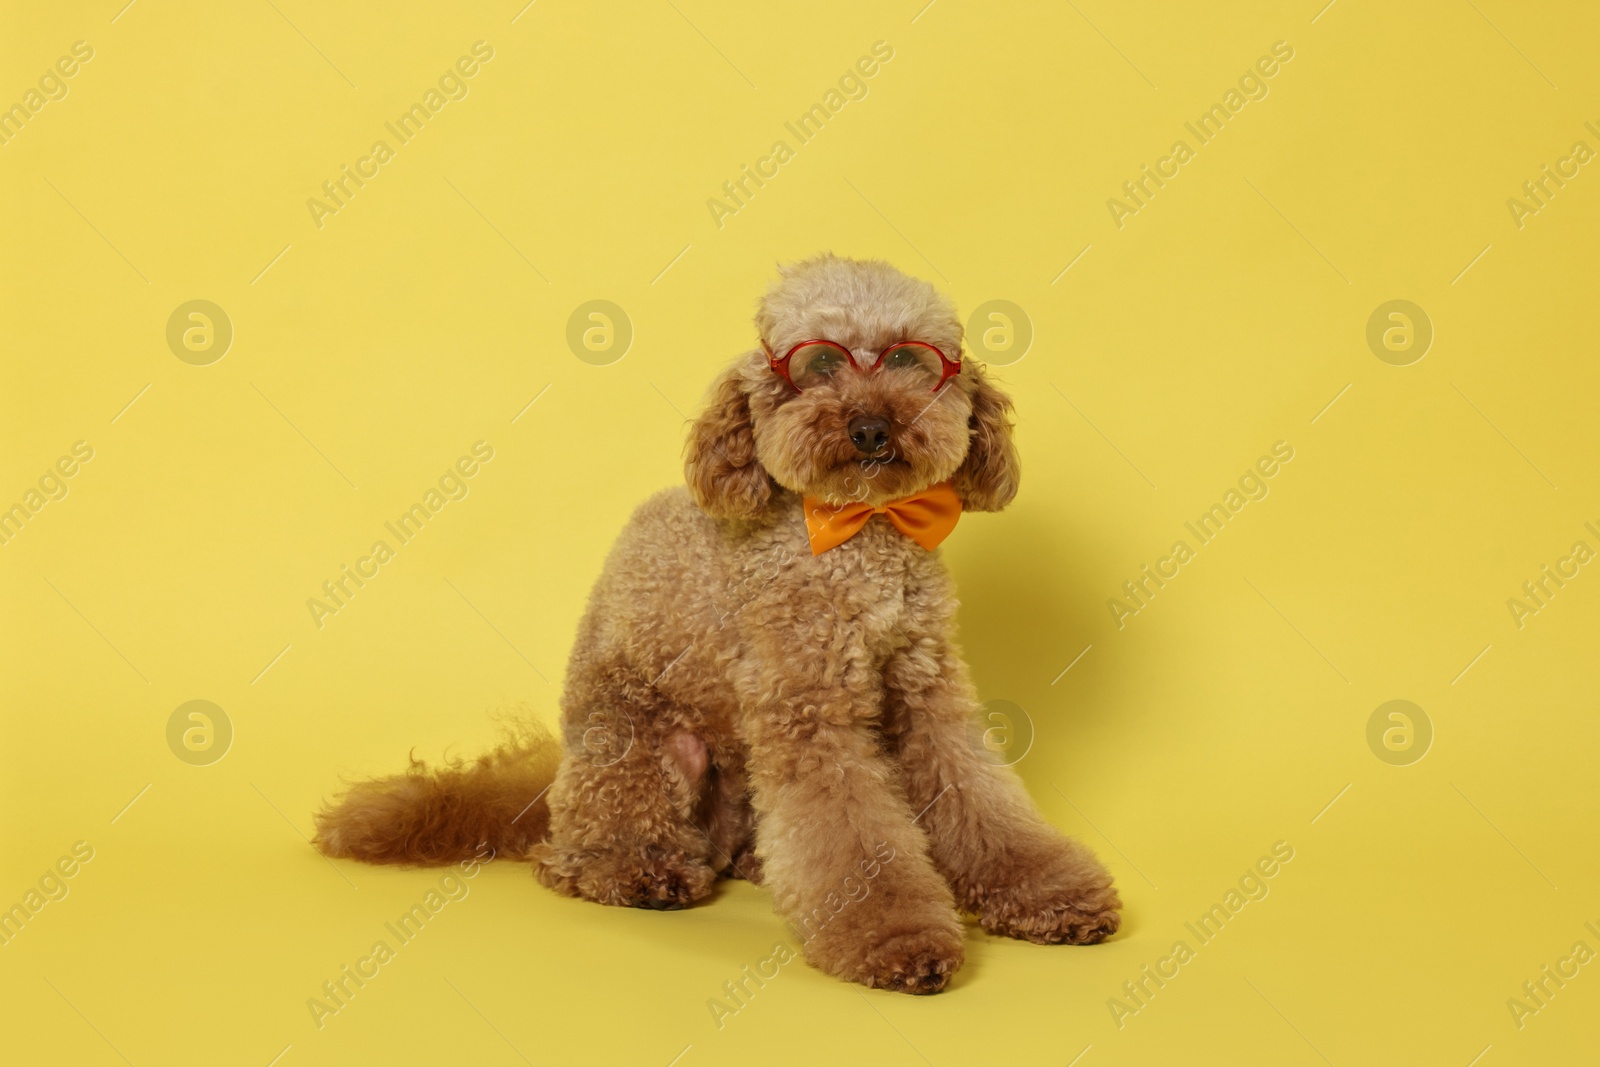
(823, 364)
(814, 362)
(912, 356)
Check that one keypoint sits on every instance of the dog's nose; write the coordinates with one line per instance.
(869, 433)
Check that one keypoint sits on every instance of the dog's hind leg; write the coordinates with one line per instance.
(729, 820)
(625, 804)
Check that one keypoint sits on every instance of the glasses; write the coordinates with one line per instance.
(812, 363)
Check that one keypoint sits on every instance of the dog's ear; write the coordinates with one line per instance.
(720, 464)
(987, 478)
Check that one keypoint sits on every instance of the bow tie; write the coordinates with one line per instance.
(926, 517)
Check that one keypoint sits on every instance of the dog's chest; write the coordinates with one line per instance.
(869, 585)
(871, 573)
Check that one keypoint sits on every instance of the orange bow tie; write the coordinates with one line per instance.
(926, 517)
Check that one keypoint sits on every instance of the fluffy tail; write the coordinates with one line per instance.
(440, 815)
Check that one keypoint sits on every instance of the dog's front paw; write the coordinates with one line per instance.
(918, 962)
(892, 951)
(1080, 915)
(639, 877)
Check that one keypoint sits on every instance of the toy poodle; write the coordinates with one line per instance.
(766, 683)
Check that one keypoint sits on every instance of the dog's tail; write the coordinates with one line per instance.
(432, 816)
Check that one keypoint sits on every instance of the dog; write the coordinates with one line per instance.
(765, 684)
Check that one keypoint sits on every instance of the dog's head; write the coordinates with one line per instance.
(869, 435)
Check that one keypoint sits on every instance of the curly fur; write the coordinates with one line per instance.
(430, 816)
(737, 707)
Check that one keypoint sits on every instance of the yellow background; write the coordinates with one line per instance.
(370, 353)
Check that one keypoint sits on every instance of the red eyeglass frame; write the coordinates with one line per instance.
(780, 367)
